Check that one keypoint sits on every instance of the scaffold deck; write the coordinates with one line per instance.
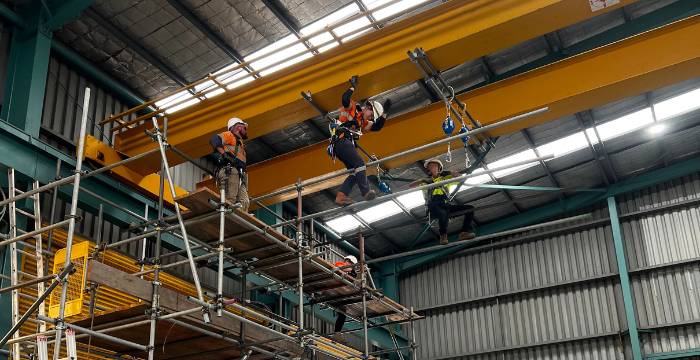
(334, 291)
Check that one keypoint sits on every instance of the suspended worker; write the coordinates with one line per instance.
(438, 200)
(340, 321)
(230, 174)
(353, 120)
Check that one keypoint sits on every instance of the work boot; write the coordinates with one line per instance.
(343, 200)
(371, 195)
(338, 337)
(466, 236)
(443, 239)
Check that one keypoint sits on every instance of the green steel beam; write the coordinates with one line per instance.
(65, 13)
(12, 16)
(26, 74)
(36, 160)
(624, 280)
(546, 212)
(673, 354)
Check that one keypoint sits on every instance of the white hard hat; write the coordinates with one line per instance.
(351, 258)
(234, 121)
(377, 108)
(438, 162)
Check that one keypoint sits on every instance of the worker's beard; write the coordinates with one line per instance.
(244, 136)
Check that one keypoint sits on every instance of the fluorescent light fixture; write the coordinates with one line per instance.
(677, 105)
(565, 145)
(625, 124)
(412, 200)
(521, 156)
(657, 128)
(331, 19)
(378, 212)
(392, 9)
(343, 223)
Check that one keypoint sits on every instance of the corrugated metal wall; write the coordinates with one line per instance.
(662, 250)
(554, 293)
(63, 101)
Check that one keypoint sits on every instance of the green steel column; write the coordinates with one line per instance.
(268, 218)
(26, 74)
(624, 280)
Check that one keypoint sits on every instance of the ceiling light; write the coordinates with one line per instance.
(657, 129)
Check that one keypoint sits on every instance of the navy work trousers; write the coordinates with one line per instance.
(347, 153)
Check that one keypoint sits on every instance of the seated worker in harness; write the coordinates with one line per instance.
(340, 321)
(354, 119)
(231, 171)
(437, 200)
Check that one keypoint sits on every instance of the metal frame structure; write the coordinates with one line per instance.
(304, 335)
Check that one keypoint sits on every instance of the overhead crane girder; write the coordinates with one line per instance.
(626, 68)
(451, 33)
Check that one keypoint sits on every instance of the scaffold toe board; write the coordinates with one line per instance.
(173, 340)
(269, 256)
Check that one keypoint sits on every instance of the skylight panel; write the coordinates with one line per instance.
(565, 145)
(378, 212)
(412, 200)
(172, 98)
(287, 63)
(322, 39)
(240, 82)
(214, 93)
(331, 19)
(351, 26)
(521, 156)
(392, 9)
(343, 223)
(677, 105)
(474, 180)
(625, 124)
(287, 53)
(182, 106)
(205, 85)
(272, 47)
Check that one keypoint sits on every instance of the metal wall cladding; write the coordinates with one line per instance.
(668, 242)
(526, 298)
(63, 101)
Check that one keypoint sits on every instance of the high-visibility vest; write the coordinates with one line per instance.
(234, 145)
(351, 118)
(442, 190)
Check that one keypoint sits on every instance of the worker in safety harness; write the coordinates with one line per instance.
(231, 171)
(354, 119)
(437, 200)
(340, 321)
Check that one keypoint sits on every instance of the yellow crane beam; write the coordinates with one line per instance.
(642, 63)
(451, 33)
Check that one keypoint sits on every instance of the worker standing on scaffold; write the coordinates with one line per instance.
(352, 121)
(232, 163)
(438, 200)
(340, 321)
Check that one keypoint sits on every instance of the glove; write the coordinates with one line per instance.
(353, 81)
(387, 105)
